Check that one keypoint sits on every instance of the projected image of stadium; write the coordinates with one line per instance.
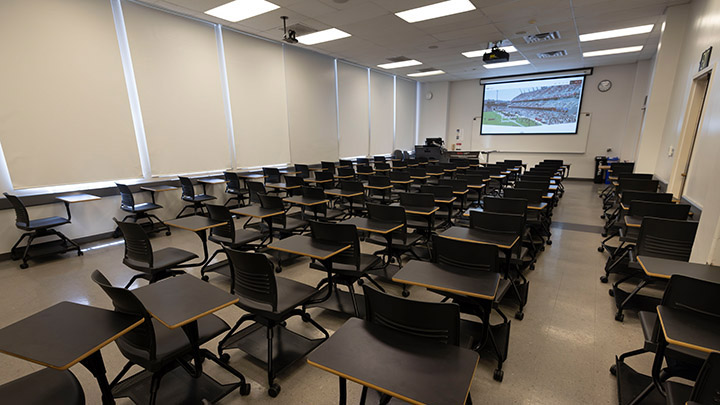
(543, 106)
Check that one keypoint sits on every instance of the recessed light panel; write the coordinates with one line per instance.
(436, 10)
(239, 10)
(430, 73)
(506, 64)
(397, 65)
(623, 32)
(615, 51)
(477, 54)
(322, 36)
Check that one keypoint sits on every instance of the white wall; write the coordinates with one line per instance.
(433, 112)
(615, 123)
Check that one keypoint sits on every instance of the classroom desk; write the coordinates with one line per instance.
(282, 186)
(396, 364)
(74, 199)
(348, 195)
(178, 302)
(157, 189)
(210, 182)
(304, 202)
(323, 252)
(251, 176)
(263, 214)
(665, 268)
(200, 226)
(384, 228)
(66, 334)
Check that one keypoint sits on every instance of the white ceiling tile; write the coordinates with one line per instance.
(366, 12)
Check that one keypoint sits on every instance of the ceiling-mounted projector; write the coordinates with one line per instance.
(496, 55)
(288, 35)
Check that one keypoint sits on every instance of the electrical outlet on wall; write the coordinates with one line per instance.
(671, 151)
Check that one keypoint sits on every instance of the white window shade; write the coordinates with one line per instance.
(65, 111)
(178, 79)
(256, 79)
(353, 108)
(312, 109)
(381, 113)
(405, 114)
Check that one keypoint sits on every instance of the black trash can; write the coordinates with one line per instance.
(599, 173)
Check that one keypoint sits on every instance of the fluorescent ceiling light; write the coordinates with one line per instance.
(239, 10)
(604, 52)
(430, 73)
(396, 65)
(506, 64)
(623, 32)
(322, 36)
(475, 54)
(436, 10)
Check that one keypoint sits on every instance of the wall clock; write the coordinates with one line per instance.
(604, 85)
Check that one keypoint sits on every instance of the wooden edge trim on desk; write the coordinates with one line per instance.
(479, 186)
(679, 343)
(461, 192)
(287, 200)
(344, 195)
(649, 273)
(168, 223)
(258, 216)
(420, 177)
(378, 231)
(311, 256)
(452, 200)
(624, 207)
(401, 181)
(436, 209)
(480, 242)
(195, 318)
(91, 198)
(158, 189)
(433, 287)
(91, 351)
(379, 187)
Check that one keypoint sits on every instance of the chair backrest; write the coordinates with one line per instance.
(271, 202)
(382, 166)
(352, 186)
(622, 167)
(435, 321)
(363, 161)
(517, 206)
(417, 200)
(21, 215)
(256, 190)
(474, 179)
(253, 277)
(221, 213)
(666, 238)
(329, 166)
(456, 184)
(513, 163)
(124, 301)
(399, 176)
(692, 295)
(364, 169)
(188, 190)
(531, 195)
(535, 185)
(325, 175)
(630, 196)
(387, 213)
(303, 171)
(346, 171)
(417, 171)
(272, 174)
(659, 210)
(339, 234)
(126, 196)
(534, 176)
(636, 176)
(497, 222)
(440, 192)
(294, 181)
(638, 184)
(435, 168)
(138, 249)
(379, 181)
(466, 255)
(316, 193)
(397, 154)
(707, 385)
(347, 163)
(232, 181)
(378, 158)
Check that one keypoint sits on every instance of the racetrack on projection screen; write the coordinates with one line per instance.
(543, 106)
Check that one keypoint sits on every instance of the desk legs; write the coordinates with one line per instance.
(94, 363)
(191, 331)
(343, 391)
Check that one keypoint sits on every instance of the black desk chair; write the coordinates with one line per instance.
(363, 161)
(516, 206)
(404, 177)
(235, 189)
(378, 159)
(284, 224)
(272, 174)
(320, 211)
(227, 235)
(419, 174)
(256, 189)
(358, 202)
(269, 300)
(364, 171)
(612, 218)
(36, 228)
(188, 194)
(152, 265)
(346, 163)
(294, 181)
(382, 168)
(44, 387)
(402, 242)
(537, 220)
(444, 193)
(323, 177)
(303, 171)
(706, 389)
(139, 211)
(328, 166)
(349, 266)
(425, 202)
(460, 186)
(156, 348)
(380, 195)
(346, 173)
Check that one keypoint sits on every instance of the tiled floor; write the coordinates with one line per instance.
(559, 354)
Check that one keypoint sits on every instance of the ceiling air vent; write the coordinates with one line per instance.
(398, 59)
(552, 54)
(430, 69)
(301, 29)
(542, 37)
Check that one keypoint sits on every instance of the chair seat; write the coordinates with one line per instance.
(292, 224)
(237, 191)
(163, 259)
(367, 262)
(42, 223)
(144, 207)
(397, 243)
(171, 343)
(44, 387)
(330, 213)
(198, 198)
(291, 294)
(242, 237)
(677, 393)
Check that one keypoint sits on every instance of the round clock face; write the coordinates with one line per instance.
(604, 85)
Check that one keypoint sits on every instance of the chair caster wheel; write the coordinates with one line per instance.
(116, 234)
(532, 266)
(611, 292)
(519, 315)
(604, 234)
(619, 317)
(549, 242)
(603, 279)
(80, 253)
(602, 216)
(305, 317)
(406, 293)
(245, 389)
(542, 248)
(225, 358)
(361, 282)
(274, 390)
(498, 375)
(24, 266)
(601, 249)
(613, 369)
(168, 233)
(205, 278)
